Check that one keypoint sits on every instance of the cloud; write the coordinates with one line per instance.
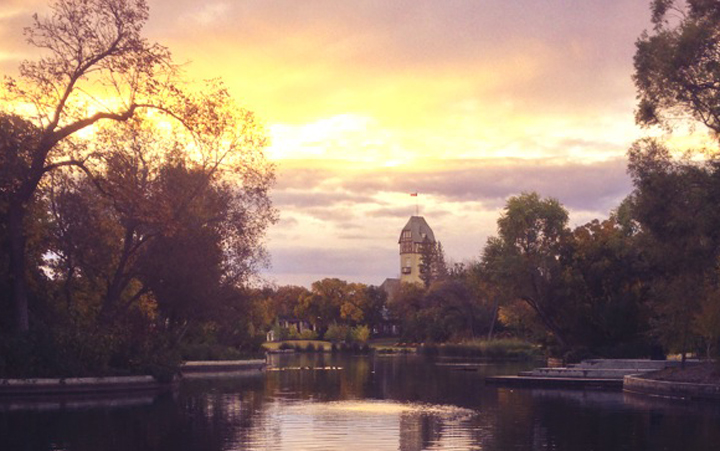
(315, 198)
(370, 264)
(466, 102)
(420, 58)
(594, 186)
(349, 218)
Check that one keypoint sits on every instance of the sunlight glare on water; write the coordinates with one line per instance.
(360, 425)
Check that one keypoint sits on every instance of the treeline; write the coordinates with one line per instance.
(643, 282)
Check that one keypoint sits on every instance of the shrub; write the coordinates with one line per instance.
(337, 333)
(281, 333)
(361, 334)
(293, 334)
(308, 334)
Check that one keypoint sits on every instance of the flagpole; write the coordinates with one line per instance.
(417, 206)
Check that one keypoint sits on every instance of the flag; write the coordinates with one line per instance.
(413, 194)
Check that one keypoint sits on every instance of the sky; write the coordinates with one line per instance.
(466, 102)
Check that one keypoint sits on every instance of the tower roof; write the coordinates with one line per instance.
(419, 229)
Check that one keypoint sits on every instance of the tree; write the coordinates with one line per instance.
(674, 202)
(432, 262)
(95, 51)
(677, 65)
(481, 304)
(283, 301)
(166, 224)
(524, 258)
(322, 306)
(605, 285)
(375, 302)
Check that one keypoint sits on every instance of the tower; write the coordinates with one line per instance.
(414, 235)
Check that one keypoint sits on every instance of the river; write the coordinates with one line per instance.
(325, 402)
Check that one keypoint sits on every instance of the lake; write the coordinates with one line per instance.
(326, 402)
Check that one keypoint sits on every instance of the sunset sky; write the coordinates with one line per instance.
(466, 102)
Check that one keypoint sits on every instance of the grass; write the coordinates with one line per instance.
(503, 349)
(389, 345)
(317, 344)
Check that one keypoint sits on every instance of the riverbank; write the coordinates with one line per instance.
(80, 385)
(128, 384)
(642, 377)
(701, 381)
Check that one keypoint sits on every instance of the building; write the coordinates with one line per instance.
(416, 234)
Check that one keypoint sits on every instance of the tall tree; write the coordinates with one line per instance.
(164, 222)
(432, 262)
(605, 283)
(677, 65)
(94, 50)
(674, 202)
(524, 258)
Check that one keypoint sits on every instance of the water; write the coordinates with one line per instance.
(321, 402)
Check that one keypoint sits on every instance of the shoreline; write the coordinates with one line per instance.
(640, 385)
(80, 385)
(58, 386)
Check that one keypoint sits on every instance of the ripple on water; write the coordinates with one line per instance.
(360, 425)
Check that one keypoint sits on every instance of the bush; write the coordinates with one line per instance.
(337, 333)
(67, 351)
(281, 333)
(209, 351)
(361, 334)
(293, 334)
(308, 334)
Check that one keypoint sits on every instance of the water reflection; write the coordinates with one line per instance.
(366, 425)
(365, 403)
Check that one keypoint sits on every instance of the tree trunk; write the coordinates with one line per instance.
(16, 238)
(496, 305)
(549, 323)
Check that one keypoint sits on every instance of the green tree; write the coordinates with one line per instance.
(375, 303)
(524, 258)
(674, 202)
(322, 306)
(677, 65)
(605, 285)
(482, 302)
(432, 262)
(707, 322)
